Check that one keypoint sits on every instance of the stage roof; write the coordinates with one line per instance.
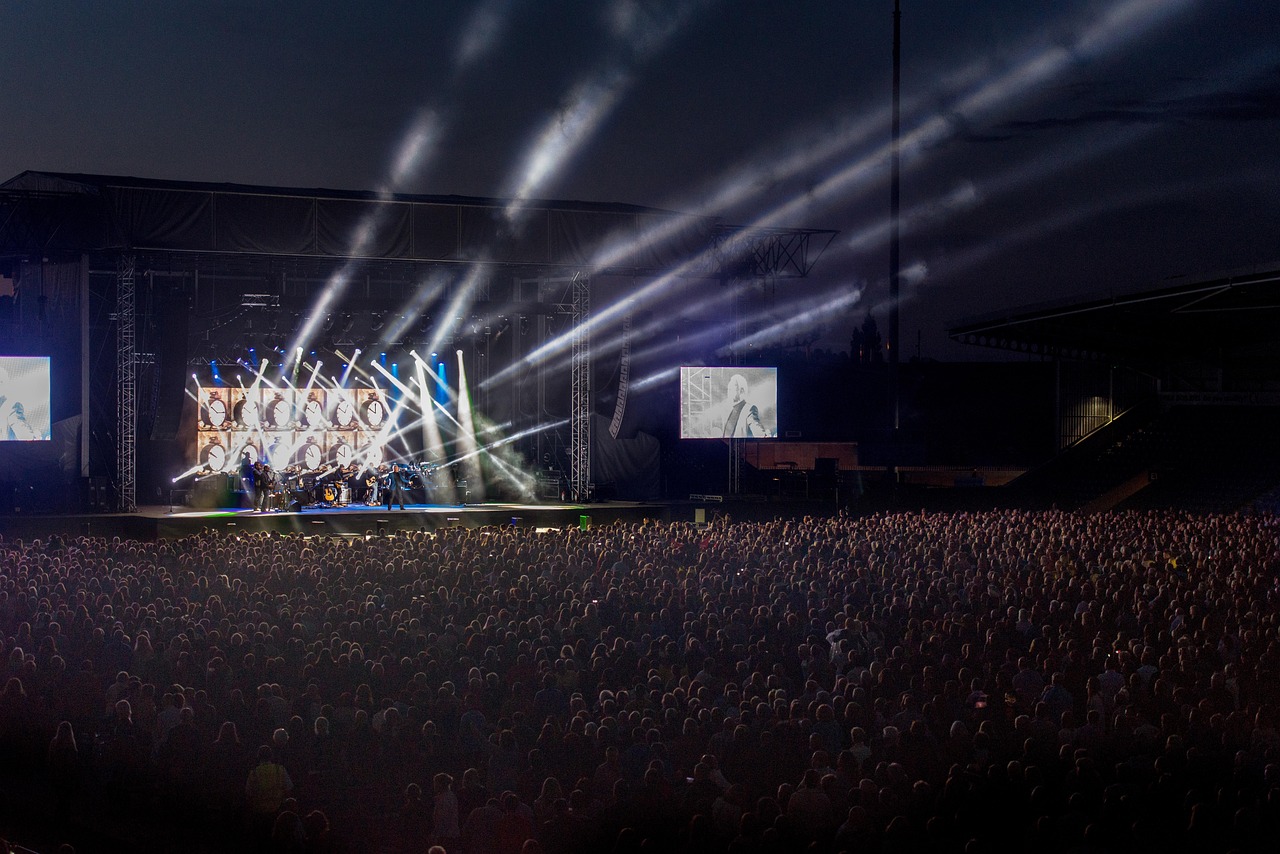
(43, 213)
(1236, 314)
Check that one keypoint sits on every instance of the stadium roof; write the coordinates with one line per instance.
(1236, 314)
(48, 212)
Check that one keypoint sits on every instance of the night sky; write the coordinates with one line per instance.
(1052, 148)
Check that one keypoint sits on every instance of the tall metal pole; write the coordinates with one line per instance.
(894, 257)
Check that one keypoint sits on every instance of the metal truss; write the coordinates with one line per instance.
(126, 385)
(735, 466)
(735, 444)
(580, 392)
(775, 252)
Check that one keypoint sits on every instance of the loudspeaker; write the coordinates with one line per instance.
(169, 336)
(97, 494)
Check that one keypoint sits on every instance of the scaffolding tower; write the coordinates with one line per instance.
(126, 385)
(580, 392)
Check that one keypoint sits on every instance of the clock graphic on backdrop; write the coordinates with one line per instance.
(344, 413)
(279, 412)
(374, 412)
(313, 412)
(278, 453)
(247, 413)
(342, 454)
(312, 455)
(214, 455)
(214, 411)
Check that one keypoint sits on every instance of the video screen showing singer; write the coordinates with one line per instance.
(737, 411)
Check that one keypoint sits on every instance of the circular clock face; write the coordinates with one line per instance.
(344, 413)
(373, 456)
(279, 413)
(312, 413)
(251, 452)
(342, 454)
(374, 412)
(247, 413)
(311, 456)
(217, 412)
(217, 457)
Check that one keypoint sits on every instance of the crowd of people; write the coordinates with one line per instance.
(944, 682)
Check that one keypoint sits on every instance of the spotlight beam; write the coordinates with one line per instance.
(1121, 22)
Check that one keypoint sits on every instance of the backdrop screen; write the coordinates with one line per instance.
(306, 428)
(734, 402)
(24, 398)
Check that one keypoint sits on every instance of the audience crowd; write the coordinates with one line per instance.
(886, 683)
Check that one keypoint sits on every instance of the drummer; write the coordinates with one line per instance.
(350, 474)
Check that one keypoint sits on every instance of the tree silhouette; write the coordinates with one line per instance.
(866, 347)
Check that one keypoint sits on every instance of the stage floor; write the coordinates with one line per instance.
(152, 522)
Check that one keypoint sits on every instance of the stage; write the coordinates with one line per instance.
(151, 523)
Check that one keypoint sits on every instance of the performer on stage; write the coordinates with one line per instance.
(265, 481)
(395, 486)
(274, 489)
(350, 482)
(370, 490)
(249, 477)
(255, 485)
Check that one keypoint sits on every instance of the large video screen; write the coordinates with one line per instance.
(24, 399)
(728, 403)
(307, 429)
